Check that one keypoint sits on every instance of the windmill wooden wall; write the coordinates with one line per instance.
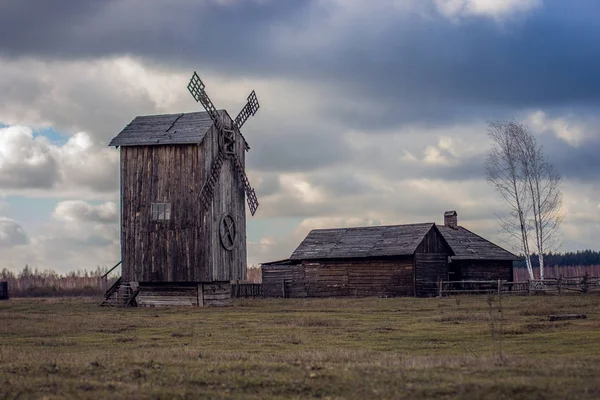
(186, 248)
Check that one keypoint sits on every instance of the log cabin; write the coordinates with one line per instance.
(385, 261)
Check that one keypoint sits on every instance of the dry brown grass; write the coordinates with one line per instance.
(331, 348)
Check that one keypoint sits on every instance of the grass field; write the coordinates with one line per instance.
(331, 348)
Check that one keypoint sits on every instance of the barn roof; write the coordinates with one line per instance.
(466, 245)
(370, 241)
(184, 128)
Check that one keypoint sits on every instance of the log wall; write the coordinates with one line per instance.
(480, 270)
(340, 278)
(429, 269)
(187, 247)
(283, 280)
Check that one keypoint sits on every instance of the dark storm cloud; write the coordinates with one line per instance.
(183, 32)
(419, 68)
(580, 163)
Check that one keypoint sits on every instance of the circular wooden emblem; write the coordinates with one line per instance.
(227, 231)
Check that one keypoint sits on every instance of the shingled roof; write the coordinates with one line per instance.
(371, 241)
(466, 245)
(186, 128)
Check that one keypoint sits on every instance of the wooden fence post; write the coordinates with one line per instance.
(560, 285)
(529, 287)
(440, 284)
(499, 286)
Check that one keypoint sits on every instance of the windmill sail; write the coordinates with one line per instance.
(227, 143)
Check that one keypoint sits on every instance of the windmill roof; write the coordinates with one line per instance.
(370, 241)
(183, 128)
(466, 245)
(147, 130)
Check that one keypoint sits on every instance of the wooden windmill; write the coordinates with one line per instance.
(183, 223)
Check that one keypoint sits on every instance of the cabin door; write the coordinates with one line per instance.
(287, 286)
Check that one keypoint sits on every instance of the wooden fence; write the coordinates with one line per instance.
(580, 284)
(3, 290)
(246, 290)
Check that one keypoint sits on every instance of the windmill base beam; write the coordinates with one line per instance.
(201, 294)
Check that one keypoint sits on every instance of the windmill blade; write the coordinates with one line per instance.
(226, 143)
(196, 88)
(250, 193)
(208, 188)
(249, 109)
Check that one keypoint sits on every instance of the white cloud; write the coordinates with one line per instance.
(80, 236)
(496, 9)
(25, 161)
(95, 96)
(78, 210)
(36, 166)
(11, 233)
(563, 128)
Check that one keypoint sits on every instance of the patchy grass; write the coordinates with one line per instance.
(330, 348)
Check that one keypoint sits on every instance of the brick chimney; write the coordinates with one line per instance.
(451, 219)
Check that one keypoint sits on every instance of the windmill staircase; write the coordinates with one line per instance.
(120, 294)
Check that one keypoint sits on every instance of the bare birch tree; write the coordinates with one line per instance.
(543, 185)
(518, 169)
(504, 172)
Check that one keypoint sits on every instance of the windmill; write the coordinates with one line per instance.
(227, 139)
(183, 214)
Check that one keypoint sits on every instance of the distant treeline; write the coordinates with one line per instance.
(48, 283)
(579, 258)
(34, 283)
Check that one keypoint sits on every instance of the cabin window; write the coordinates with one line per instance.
(161, 211)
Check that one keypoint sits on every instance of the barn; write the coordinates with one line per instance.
(183, 217)
(385, 261)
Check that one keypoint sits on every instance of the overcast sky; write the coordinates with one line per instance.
(371, 112)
